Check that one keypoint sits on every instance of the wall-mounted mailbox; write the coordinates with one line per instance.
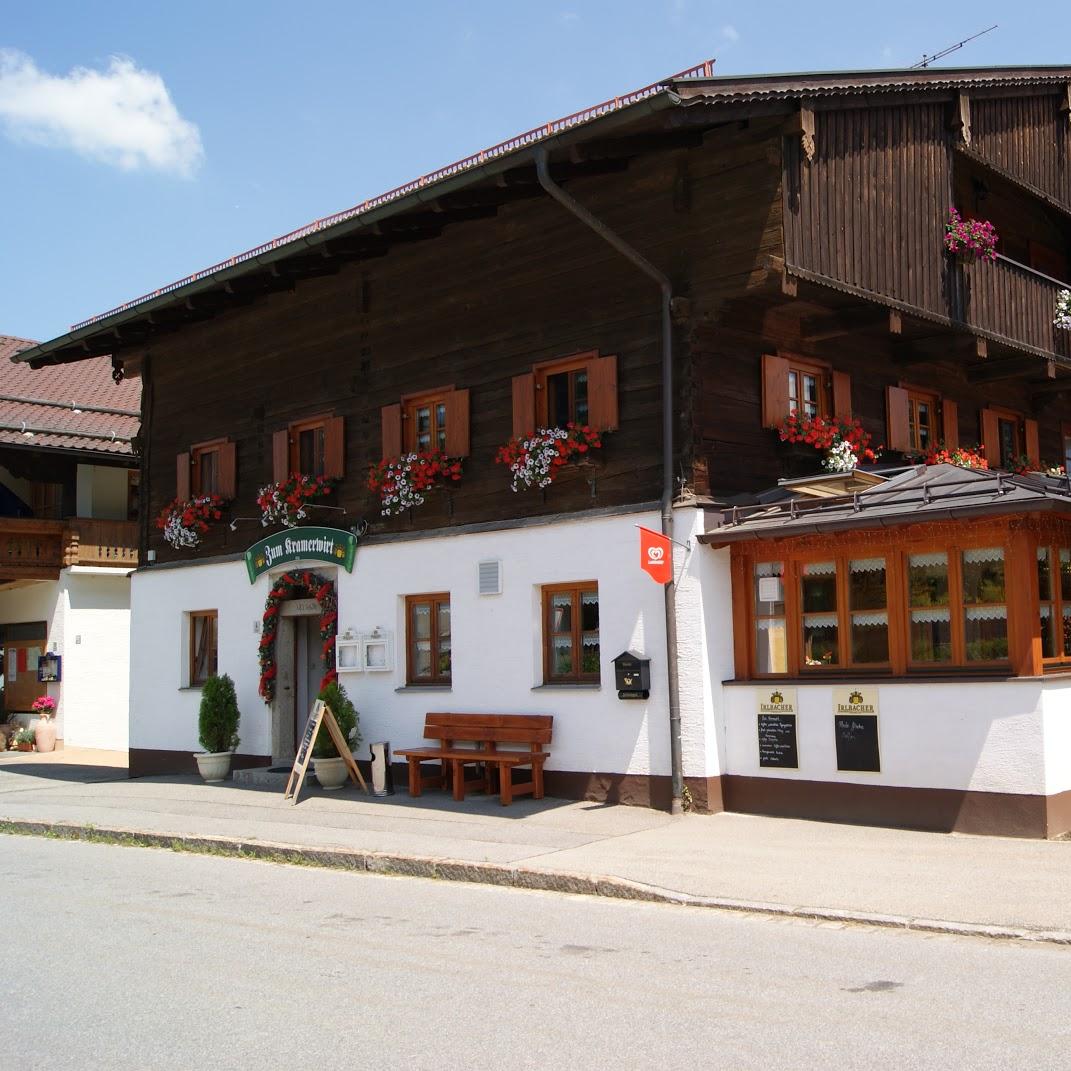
(49, 668)
(633, 675)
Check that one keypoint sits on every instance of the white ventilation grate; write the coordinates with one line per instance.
(489, 578)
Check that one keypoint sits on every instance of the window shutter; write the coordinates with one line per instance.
(991, 437)
(523, 405)
(602, 393)
(950, 424)
(1030, 442)
(897, 419)
(391, 419)
(334, 447)
(774, 390)
(182, 477)
(228, 470)
(842, 396)
(280, 455)
(457, 423)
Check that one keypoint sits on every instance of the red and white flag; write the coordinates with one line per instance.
(656, 555)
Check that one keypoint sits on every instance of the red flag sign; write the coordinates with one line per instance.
(656, 555)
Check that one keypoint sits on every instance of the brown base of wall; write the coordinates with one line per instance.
(637, 790)
(1002, 814)
(148, 762)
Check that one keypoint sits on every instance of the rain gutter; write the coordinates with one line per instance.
(645, 266)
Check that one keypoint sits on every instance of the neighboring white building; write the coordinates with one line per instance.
(68, 542)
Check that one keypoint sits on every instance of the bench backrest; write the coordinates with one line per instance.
(490, 728)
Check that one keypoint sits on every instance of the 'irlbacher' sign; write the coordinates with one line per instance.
(301, 544)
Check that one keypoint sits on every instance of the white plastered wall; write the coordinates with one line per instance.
(87, 616)
(496, 641)
(1057, 723)
(102, 492)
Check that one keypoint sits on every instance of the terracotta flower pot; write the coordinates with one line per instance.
(24, 747)
(45, 736)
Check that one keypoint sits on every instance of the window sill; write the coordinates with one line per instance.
(583, 687)
(425, 688)
(191, 688)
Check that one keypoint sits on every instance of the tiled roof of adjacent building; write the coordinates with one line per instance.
(38, 408)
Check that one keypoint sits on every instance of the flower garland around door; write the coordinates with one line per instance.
(298, 585)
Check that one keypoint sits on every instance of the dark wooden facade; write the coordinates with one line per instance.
(797, 219)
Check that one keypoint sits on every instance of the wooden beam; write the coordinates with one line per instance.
(1009, 368)
(961, 117)
(801, 125)
(896, 322)
(842, 322)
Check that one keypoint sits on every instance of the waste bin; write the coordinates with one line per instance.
(382, 777)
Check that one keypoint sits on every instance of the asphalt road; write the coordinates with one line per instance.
(133, 958)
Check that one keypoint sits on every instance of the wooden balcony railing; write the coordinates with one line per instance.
(93, 542)
(1010, 301)
(32, 549)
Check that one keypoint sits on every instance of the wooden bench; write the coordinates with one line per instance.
(484, 733)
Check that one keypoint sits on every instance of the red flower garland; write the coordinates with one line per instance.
(296, 586)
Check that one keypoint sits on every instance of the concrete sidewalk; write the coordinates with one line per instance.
(859, 873)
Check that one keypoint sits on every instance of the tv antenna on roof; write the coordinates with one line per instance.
(927, 60)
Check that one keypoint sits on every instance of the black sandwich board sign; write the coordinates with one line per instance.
(320, 715)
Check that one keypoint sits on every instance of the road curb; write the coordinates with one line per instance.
(507, 875)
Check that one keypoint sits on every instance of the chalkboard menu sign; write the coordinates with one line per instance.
(777, 741)
(855, 728)
(857, 742)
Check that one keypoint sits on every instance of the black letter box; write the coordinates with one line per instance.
(633, 676)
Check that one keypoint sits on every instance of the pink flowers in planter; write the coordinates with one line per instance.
(44, 707)
(970, 237)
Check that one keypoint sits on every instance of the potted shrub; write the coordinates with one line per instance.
(329, 766)
(23, 740)
(217, 725)
(45, 730)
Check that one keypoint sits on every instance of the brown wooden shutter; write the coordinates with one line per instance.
(897, 419)
(280, 455)
(1030, 443)
(991, 437)
(842, 396)
(950, 424)
(774, 390)
(334, 447)
(182, 477)
(523, 405)
(602, 393)
(390, 417)
(228, 470)
(457, 423)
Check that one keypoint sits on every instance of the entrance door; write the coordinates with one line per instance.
(308, 671)
(22, 648)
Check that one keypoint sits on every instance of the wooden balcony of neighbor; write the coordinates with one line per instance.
(1010, 302)
(32, 549)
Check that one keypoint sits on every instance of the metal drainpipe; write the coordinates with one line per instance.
(604, 232)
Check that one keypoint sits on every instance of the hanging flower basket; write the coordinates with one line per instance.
(843, 443)
(970, 238)
(298, 585)
(401, 482)
(284, 503)
(535, 460)
(184, 523)
(962, 456)
(1062, 319)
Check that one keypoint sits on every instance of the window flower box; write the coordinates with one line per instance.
(1062, 318)
(536, 460)
(286, 502)
(843, 443)
(962, 456)
(184, 523)
(401, 482)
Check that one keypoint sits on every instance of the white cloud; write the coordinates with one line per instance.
(122, 116)
(730, 34)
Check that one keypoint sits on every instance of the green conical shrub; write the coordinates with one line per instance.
(218, 718)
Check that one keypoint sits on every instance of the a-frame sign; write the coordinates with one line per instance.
(320, 715)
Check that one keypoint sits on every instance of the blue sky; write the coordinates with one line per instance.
(250, 119)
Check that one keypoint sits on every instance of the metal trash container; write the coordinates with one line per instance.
(382, 776)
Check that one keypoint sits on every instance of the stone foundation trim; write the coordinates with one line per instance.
(151, 762)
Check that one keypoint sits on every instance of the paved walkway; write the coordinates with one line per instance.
(838, 869)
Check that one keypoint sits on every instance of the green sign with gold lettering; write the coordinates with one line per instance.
(299, 545)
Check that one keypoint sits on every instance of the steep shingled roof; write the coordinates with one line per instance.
(68, 386)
